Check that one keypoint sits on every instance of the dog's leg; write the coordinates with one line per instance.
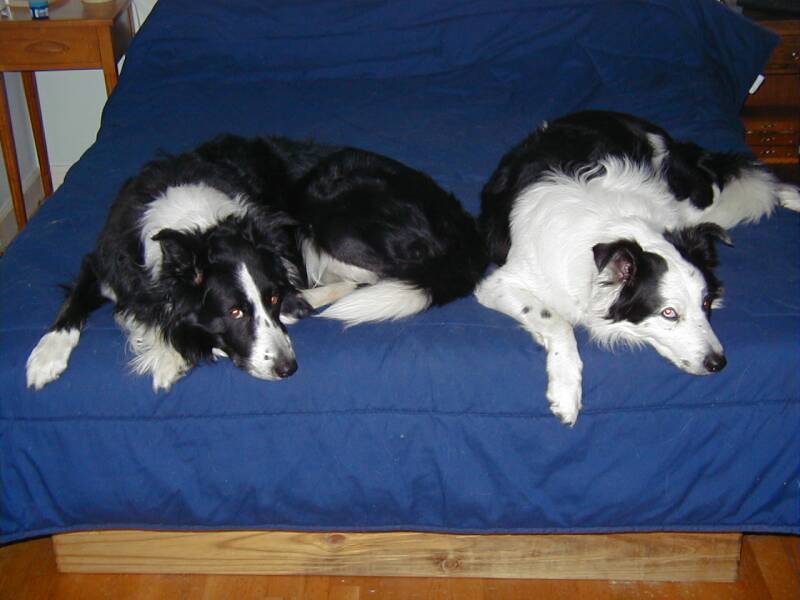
(50, 356)
(549, 329)
(328, 294)
(295, 307)
(153, 355)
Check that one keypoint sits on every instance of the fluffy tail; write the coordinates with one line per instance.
(749, 196)
(388, 299)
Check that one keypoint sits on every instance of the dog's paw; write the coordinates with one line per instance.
(168, 370)
(789, 197)
(293, 308)
(50, 356)
(564, 395)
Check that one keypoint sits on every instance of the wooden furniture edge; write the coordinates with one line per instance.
(619, 556)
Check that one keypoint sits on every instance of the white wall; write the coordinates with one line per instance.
(72, 102)
(26, 153)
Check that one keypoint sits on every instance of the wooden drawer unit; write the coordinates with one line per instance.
(772, 114)
(786, 57)
(775, 154)
(77, 35)
(42, 48)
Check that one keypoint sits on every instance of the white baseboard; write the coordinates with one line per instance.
(33, 193)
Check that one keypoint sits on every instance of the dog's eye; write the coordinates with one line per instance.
(670, 314)
(274, 299)
(236, 313)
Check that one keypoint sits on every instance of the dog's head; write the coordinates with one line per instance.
(663, 296)
(231, 293)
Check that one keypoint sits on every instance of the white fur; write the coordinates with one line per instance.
(386, 300)
(152, 355)
(107, 292)
(745, 199)
(194, 206)
(271, 344)
(50, 357)
(550, 282)
(327, 294)
(337, 282)
(322, 268)
(788, 196)
(659, 147)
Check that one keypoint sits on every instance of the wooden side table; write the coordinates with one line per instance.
(772, 114)
(75, 36)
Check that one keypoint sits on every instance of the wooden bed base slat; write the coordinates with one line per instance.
(621, 556)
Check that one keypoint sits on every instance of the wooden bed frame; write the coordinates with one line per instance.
(620, 556)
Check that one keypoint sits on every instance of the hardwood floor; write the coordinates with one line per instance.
(770, 569)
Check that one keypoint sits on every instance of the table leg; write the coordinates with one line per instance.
(35, 113)
(109, 63)
(10, 158)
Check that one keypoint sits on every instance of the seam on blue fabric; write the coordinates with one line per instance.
(388, 411)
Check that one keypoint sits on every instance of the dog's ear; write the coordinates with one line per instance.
(181, 253)
(621, 257)
(696, 243)
(712, 231)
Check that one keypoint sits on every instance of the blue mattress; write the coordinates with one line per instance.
(439, 422)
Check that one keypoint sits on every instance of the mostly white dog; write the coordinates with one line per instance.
(602, 220)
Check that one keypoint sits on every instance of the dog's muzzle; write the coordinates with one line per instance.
(285, 368)
(714, 363)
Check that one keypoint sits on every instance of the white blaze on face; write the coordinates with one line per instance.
(689, 339)
(270, 344)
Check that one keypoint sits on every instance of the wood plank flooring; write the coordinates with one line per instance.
(770, 569)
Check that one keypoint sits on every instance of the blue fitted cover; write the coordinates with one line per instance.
(438, 422)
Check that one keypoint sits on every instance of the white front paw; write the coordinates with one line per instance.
(789, 197)
(564, 395)
(168, 370)
(50, 356)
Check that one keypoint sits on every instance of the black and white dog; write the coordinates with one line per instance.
(199, 256)
(385, 235)
(203, 255)
(602, 220)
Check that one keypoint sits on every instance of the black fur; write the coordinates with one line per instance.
(697, 245)
(375, 213)
(188, 302)
(361, 208)
(581, 139)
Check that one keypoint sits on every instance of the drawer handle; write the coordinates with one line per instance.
(47, 47)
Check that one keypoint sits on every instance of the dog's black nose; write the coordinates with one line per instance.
(715, 362)
(285, 368)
